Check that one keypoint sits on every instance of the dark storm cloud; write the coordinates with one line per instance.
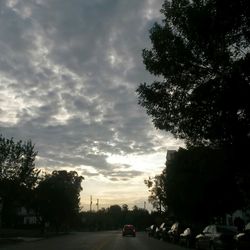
(68, 74)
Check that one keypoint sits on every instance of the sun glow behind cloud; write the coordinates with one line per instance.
(150, 163)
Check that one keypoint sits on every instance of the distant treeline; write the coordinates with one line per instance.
(51, 201)
(115, 217)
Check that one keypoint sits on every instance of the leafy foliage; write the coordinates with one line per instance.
(200, 185)
(201, 57)
(116, 217)
(18, 176)
(157, 189)
(58, 197)
(197, 185)
(17, 162)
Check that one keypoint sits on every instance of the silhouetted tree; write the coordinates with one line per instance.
(17, 162)
(201, 55)
(18, 177)
(58, 197)
(115, 218)
(115, 211)
(124, 208)
(158, 192)
(140, 218)
(199, 185)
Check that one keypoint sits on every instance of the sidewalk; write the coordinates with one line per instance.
(11, 240)
(18, 239)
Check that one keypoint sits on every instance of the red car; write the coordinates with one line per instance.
(128, 230)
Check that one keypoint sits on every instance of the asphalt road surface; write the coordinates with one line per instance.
(110, 240)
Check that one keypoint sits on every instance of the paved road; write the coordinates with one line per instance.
(111, 240)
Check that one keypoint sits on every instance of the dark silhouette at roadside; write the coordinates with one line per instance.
(239, 223)
(114, 218)
(18, 177)
(31, 200)
(57, 199)
(200, 60)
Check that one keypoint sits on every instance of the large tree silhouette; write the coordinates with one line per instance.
(58, 198)
(200, 186)
(18, 177)
(200, 55)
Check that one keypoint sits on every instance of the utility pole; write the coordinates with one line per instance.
(144, 205)
(97, 205)
(90, 206)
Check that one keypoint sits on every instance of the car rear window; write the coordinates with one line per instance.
(129, 227)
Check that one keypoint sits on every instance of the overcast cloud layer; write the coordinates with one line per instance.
(68, 74)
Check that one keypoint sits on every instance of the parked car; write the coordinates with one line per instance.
(157, 233)
(175, 231)
(148, 229)
(151, 230)
(187, 237)
(242, 240)
(128, 230)
(163, 231)
(216, 237)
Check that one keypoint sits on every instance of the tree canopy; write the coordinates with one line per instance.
(55, 197)
(58, 198)
(158, 192)
(196, 186)
(17, 162)
(200, 186)
(200, 55)
(18, 176)
(115, 217)
(200, 59)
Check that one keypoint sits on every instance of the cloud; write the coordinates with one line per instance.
(68, 75)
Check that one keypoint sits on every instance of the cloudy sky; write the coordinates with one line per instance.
(68, 74)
